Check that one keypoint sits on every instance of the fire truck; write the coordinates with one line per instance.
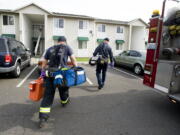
(162, 67)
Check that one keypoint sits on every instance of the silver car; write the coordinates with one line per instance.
(133, 59)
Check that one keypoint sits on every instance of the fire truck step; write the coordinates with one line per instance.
(175, 97)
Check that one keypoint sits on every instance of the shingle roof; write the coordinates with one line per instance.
(72, 15)
(109, 21)
(6, 10)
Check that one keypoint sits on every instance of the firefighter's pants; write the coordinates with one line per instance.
(48, 98)
(101, 70)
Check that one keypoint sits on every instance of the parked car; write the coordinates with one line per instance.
(14, 56)
(133, 59)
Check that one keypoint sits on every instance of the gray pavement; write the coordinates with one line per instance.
(123, 107)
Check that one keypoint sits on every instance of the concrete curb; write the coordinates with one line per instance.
(35, 61)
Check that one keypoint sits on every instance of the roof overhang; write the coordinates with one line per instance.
(139, 19)
(107, 21)
(31, 4)
(72, 16)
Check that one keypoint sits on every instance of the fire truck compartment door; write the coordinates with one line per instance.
(164, 76)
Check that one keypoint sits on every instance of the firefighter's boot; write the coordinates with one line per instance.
(64, 103)
(43, 123)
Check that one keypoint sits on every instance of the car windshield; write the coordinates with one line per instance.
(143, 54)
(124, 53)
(2, 45)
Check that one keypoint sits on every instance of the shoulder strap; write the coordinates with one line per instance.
(61, 50)
(103, 50)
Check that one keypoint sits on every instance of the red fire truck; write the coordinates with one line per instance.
(162, 68)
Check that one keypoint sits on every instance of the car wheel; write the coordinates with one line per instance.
(138, 69)
(115, 63)
(29, 64)
(16, 73)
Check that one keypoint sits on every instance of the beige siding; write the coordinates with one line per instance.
(111, 33)
(126, 38)
(49, 33)
(17, 31)
(27, 27)
(1, 23)
(71, 31)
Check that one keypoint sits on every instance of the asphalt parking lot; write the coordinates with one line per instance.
(123, 107)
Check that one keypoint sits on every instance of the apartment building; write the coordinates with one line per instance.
(39, 29)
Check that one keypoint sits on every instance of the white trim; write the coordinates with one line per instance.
(27, 5)
(89, 81)
(161, 88)
(21, 83)
(147, 72)
(128, 73)
(80, 72)
(58, 76)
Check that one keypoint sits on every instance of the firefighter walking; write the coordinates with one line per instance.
(104, 52)
(56, 57)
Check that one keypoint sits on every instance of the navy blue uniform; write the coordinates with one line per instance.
(54, 54)
(57, 56)
(104, 51)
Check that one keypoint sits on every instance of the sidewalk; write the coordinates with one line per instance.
(35, 61)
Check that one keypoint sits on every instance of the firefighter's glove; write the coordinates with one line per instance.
(112, 64)
(43, 73)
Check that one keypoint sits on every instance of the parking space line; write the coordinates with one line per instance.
(127, 73)
(89, 81)
(21, 83)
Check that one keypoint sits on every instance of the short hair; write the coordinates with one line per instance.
(62, 39)
(106, 39)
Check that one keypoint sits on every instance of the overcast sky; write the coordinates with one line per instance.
(124, 10)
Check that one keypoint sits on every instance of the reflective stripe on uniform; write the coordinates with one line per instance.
(64, 102)
(64, 69)
(45, 110)
(47, 73)
(58, 76)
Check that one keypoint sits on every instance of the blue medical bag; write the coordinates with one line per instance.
(70, 77)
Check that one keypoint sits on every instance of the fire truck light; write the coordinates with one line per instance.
(177, 70)
(172, 84)
(156, 12)
(152, 40)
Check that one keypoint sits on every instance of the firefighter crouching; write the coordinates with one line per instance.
(56, 57)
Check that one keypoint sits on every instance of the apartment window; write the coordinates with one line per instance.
(82, 24)
(102, 28)
(119, 29)
(118, 46)
(82, 45)
(59, 23)
(8, 20)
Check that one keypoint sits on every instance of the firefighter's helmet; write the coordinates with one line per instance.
(156, 12)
